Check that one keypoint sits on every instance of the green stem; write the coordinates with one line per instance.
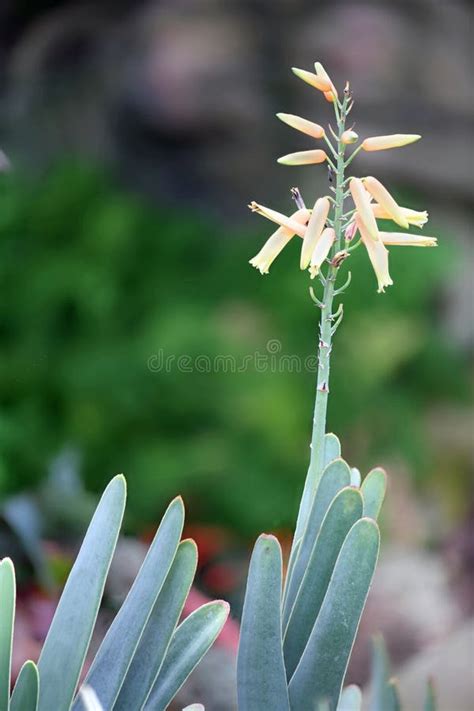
(325, 340)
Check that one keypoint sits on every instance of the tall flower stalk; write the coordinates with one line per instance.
(329, 235)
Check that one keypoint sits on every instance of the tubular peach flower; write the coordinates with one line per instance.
(380, 193)
(303, 125)
(293, 225)
(322, 74)
(362, 202)
(303, 158)
(395, 140)
(321, 250)
(316, 224)
(378, 255)
(318, 82)
(349, 137)
(403, 239)
(413, 217)
(277, 242)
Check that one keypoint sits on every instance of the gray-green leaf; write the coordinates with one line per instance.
(68, 638)
(320, 672)
(351, 699)
(189, 644)
(25, 693)
(261, 676)
(343, 512)
(7, 617)
(373, 491)
(156, 637)
(335, 477)
(115, 654)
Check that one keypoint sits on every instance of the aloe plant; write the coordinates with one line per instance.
(146, 654)
(298, 632)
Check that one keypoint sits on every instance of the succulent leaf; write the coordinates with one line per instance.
(335, 477)
(261, 676)
(351, 699)
(343, 512)
(332, 450)
(430, 700)
(115, 654)
(320, 672)
(60, 662)
(25, 693)
(189, 644)
(381, 696)
(7, 617)
(156, 637)
(373, 490)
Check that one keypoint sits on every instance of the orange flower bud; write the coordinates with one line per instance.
(303, 125)
(322, 73)
(303, 158)
(349, 137)
(318, 82)
(382, 143)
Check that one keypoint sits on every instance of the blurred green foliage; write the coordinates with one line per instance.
(95, 283)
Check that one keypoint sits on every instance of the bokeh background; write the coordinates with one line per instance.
(137, 132)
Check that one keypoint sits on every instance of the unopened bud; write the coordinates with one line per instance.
(303, 125)
(382, 143)
(303, 158)
(318, 82)
(349, 137)
(349, 232)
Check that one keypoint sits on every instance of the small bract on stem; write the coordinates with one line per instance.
(329, 235)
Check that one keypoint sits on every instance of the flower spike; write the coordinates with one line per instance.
(396, 140)
(303, 158)
(380, 193)
(362, 202)
(316, 224)
(303, 125)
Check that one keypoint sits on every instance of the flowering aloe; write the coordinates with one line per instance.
(297, 634)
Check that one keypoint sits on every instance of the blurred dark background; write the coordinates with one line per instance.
(137, 132)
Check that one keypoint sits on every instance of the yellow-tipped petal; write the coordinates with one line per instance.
(303, 125)
(378, 255)
(321, 250)
(416, 218)
(322, 73)
(316, 224)
(294, 225)
(303, 158)
(271, 249)
(314, 80)
(396, 140)
(277, 242)
(349, 137)
(362, 202)
(402, 239)
(380, 193)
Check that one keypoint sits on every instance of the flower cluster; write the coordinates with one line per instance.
(326, 228)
